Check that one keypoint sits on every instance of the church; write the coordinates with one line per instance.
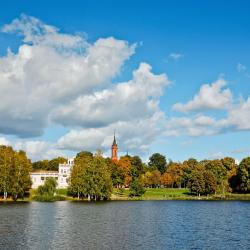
(38, 177)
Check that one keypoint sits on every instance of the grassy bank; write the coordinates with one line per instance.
(150, 194)
(174, 194)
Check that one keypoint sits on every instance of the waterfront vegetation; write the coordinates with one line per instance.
(94, 177)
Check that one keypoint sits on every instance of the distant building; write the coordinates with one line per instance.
(38, 177)
(114, 150)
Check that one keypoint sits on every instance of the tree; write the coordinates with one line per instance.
(49, 165)
(232, 178)
(15, 170)
(188, 166)
(167, 180)
(48, 189)
(136, 188)
(90, 177)
(210, 182)
(116, 173)
(176, 172)
(196, 182)
(218, 169)
(152, 179)
(136, 166)
(158, 161)
(243, 173)
(125, 166)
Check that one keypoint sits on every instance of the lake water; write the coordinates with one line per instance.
(126, 225)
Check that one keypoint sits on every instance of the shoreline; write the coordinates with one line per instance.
(68, 198)
(151, 194)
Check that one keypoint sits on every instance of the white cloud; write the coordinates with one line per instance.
(137, 98)
(241, 68)
(176, 56)
(136, 135)
(199, 125)
(37, 150)
(210, 97)
(239, 116)
(51, 69)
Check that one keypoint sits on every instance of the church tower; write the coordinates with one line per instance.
(114, 150)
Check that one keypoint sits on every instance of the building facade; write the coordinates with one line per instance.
(61, 176)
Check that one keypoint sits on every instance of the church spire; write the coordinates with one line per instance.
(114, 141)
(114, 150)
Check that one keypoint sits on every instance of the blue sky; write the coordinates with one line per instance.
(193, 43)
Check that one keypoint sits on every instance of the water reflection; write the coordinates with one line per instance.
(126, 225)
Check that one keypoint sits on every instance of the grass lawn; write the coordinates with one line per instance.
(154, 194)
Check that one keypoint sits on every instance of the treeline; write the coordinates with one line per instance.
(48, 164)
(94, 176)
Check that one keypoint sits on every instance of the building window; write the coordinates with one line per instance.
(42, 178)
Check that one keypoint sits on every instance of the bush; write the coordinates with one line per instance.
(136, 188)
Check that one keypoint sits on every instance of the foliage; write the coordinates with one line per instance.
(167, 180)
(48, 188)
(196, 182)
(152, 179)
(90, 177)
(244, 175)
(175, 170)
(202, 181)
(218, 169)
(15, 170)
(49, 165)
(125, 166)
(158, 161)
(210, 182)
(136, 188)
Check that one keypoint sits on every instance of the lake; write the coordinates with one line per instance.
(126, 225)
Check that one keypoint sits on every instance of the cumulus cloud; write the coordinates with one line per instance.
(37, 150)
(49, 69)
(239, 116)
(199, 125)
(135, 135)
(137, 98)
(210, 97)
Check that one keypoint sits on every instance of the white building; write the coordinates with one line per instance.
(38, 177)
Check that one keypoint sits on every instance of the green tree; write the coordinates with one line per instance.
(15, 170)
(136, 166)
(48, 188)
(41, 165)
(196, 182)
(243, 173)
(218, 169)
(54, 163)
(136, 188)
(158, 161)
(210, 182)
(49, 165)
(90, 177)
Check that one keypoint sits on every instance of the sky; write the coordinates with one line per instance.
(168, 76)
